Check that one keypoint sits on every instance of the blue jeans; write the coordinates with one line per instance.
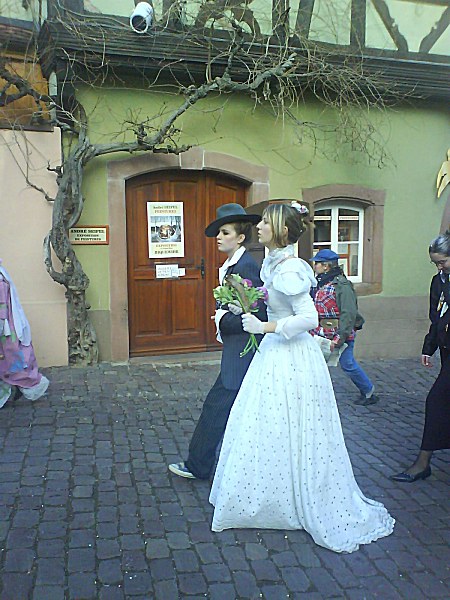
(354, 371)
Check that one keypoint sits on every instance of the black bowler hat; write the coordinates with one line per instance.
(229, 213)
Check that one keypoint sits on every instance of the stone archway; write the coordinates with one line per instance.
(198, 159)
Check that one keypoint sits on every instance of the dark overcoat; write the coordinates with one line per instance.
(234, 338)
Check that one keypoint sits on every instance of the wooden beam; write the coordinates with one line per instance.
(435, 2)
(280, 15)
(358, 23)
(436, 31)
(304, 15)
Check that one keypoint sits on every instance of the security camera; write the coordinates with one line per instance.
(141, 17)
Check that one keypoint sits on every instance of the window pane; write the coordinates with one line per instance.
(348, 231)
(21, 111)
(316, 248)
(322, 232)
(348, 212)
(349, 258)
(322, 222)
(353, 267)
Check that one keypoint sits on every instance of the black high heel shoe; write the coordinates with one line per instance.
(407, 478)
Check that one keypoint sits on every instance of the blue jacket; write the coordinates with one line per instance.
(233, 367)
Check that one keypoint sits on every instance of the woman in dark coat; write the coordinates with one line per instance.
(232, 230)
(436, 433)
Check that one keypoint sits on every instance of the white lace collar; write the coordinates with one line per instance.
(274, 258)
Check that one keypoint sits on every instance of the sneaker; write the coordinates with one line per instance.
(181, 470)
(364, 401)
(372, 400)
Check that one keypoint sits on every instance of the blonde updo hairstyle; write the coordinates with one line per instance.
(280, 216)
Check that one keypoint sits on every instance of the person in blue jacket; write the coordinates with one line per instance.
(232, 228)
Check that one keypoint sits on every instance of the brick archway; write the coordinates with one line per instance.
(198, 159)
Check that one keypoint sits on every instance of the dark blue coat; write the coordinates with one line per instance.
(234, 338)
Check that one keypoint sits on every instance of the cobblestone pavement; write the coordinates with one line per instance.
(88, 509)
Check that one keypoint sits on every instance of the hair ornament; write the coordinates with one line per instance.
(301, 208)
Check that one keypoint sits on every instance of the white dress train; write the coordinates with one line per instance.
(283, 462)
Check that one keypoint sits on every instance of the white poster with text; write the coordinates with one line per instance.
(165, 229)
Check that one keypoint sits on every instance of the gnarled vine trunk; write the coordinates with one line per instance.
(67, 208)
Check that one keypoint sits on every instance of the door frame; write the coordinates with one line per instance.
(118, 172)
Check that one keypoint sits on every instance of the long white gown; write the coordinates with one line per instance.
(283, 462)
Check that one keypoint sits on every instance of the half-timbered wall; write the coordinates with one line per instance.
(408, 26)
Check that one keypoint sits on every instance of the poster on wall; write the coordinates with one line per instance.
(165, 229)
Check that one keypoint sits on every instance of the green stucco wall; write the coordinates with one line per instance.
(416, 140)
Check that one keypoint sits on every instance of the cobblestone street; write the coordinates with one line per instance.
(88, 509)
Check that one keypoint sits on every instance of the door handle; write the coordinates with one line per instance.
(201, 266)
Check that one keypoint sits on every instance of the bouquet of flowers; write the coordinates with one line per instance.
(238, 291)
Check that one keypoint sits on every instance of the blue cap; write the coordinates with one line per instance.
(325, 256)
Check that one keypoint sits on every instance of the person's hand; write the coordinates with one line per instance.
(235, 308)
(426, 360)
(332, 346)
(252, 324)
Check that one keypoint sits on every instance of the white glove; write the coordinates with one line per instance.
(235, 308)
(252, 324)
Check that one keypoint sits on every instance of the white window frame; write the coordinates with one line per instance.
(334, 242)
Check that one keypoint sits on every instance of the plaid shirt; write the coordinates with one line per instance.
(326, 306)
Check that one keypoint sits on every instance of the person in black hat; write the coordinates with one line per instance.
(232, 228)
(336, 303)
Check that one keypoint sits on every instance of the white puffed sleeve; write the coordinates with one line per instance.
(294, 281)
(305, 317)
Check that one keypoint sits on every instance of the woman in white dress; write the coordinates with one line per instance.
(283, 462)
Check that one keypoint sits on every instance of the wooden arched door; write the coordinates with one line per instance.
(172, 315)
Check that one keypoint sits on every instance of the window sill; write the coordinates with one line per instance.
(367, 289)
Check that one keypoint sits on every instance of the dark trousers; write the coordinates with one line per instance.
(210, 429)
